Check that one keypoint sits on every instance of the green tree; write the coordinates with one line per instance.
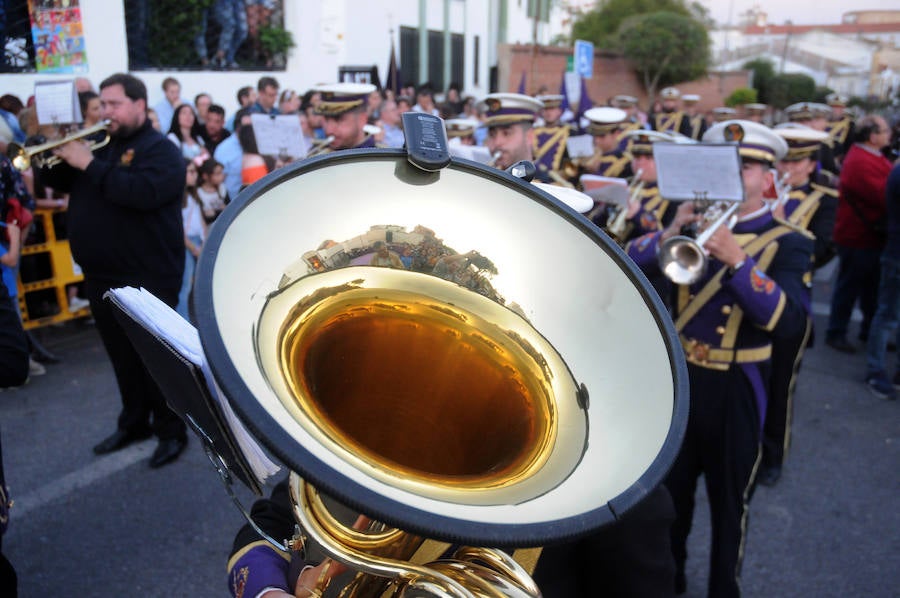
(601, 25)
(763, 75)
(790, 88)
(665, 48)
(741, 96)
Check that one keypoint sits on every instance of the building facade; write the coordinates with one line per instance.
(438, 41)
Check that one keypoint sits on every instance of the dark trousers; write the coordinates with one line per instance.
(141, 396)
(786, 356)
(722, 444)
(631, 557)
(858, 275)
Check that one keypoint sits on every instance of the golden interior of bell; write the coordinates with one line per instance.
(420, 387)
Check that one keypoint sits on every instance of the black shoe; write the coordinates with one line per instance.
(840, 344)
(769, 475)
(119, 440)
(167, 451)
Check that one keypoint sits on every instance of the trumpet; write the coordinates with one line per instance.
(320, 146)
(782, 190)
(682, 259)
(23, 157)
(616, 226)
(494, 157)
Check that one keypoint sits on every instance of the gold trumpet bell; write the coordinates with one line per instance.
(39, 155)
(453, 353)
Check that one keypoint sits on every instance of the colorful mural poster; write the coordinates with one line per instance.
(58, 36)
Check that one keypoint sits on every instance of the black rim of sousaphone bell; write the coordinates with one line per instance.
(387, 507)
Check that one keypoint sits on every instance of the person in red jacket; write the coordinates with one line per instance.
(859, 233)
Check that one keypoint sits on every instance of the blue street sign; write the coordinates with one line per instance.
(584, 58)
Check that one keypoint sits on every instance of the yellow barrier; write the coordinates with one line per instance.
(46, 271)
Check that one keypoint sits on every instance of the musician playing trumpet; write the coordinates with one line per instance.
(648, 211)
(510, 118)
(343, 106)
(808, 200)
(754, 291)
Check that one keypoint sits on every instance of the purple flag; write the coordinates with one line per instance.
(393, 74)
(521, 84)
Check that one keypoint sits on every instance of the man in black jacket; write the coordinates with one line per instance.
(125, 229)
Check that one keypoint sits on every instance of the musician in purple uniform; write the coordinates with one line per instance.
(604, 125)
(809, 202)
(634, 119)
(257, 569)
(510, 118)
(551, 135)
(695, 117)
(344, 107)
(670, 119)
(754, 290)
(649, 211)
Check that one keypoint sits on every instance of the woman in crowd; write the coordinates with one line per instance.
(194, 235)
(253, 166)
(185, 133)
(289, 102)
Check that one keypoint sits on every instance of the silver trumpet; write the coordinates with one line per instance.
(782, 190)
(683, 259)
(494, 157)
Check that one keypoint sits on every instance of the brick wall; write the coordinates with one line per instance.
(544, 67)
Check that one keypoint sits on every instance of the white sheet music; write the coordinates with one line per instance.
(709, 170)
(611, 190)
(580, 146)
(476, 153)
(279, 136)
(159, 318)
(57, 103)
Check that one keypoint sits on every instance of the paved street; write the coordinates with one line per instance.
(89, 526)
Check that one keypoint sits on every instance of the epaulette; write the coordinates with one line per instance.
(828, 174)
(827, 190)
(795, 228)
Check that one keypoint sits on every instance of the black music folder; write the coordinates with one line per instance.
(171, 350)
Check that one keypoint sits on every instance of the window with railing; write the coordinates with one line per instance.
(206, 34)
(48, 35)
(412, 73)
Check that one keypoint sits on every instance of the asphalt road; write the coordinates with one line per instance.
(109, 526)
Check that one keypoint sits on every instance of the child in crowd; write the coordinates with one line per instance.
(212, 192)
(194, 235)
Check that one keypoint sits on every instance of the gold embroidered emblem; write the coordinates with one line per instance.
(239, 581)
(700, 352)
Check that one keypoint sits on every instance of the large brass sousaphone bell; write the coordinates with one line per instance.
(454, 353)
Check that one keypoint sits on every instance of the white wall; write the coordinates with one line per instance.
(328, 34)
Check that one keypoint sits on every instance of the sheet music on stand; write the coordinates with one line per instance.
(476, 153)
(56, 103)
(279, 136)
(161, 337)
(580, 146)
(705, 170)
(610, 190)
